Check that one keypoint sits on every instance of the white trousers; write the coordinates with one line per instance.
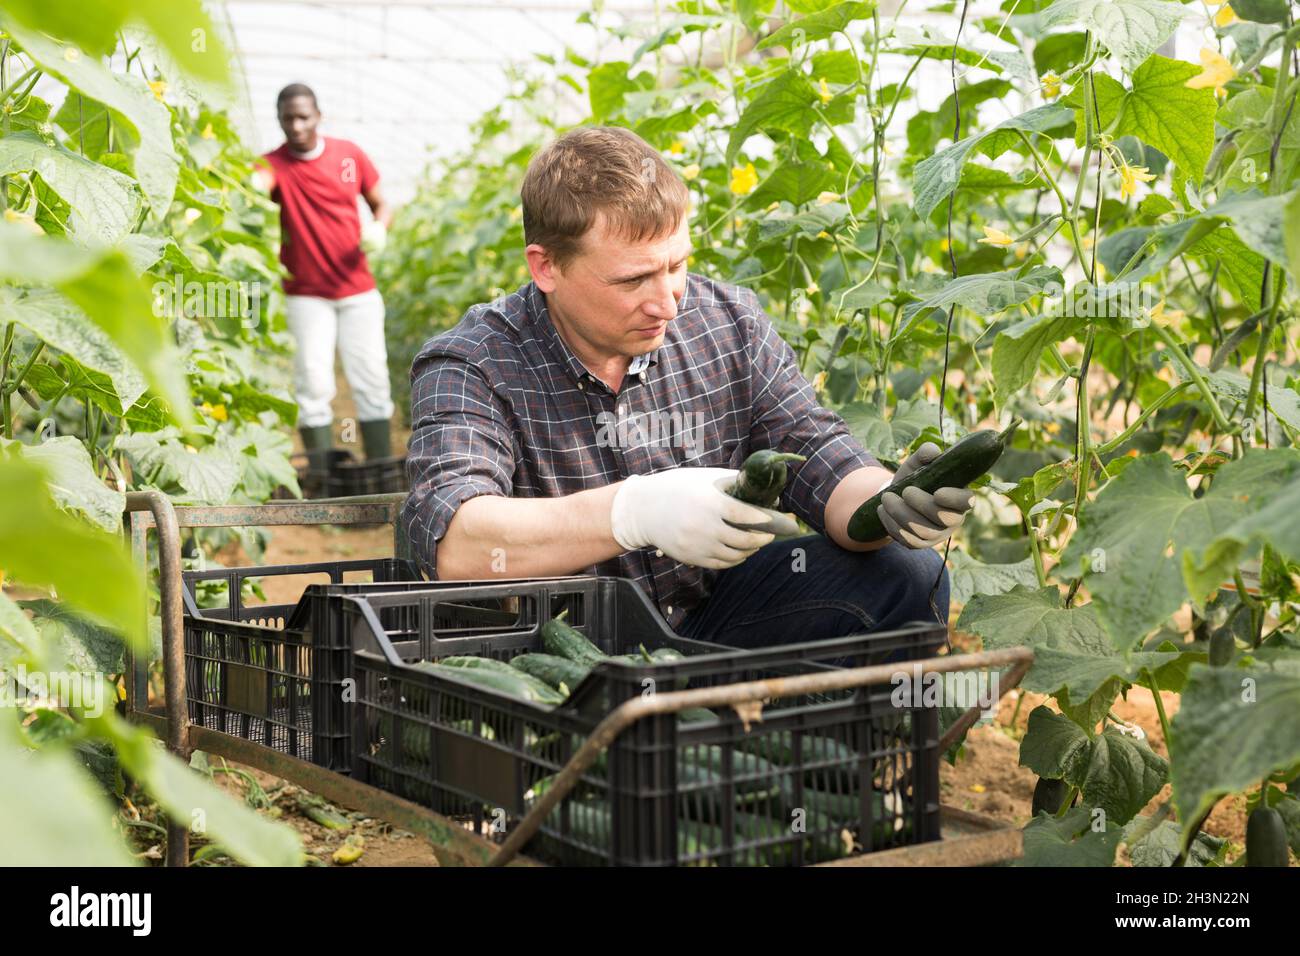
(356, 325)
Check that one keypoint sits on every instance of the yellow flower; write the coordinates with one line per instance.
(1021, 250)
(738, 223)
(214, 411)
(819, 381)
(1225, 17)
(1215, 72)
(1129, 177)
(208, 133)
(812, 289)
(1157, 313)
(996, 237)
(691, 171)
(944, 245)
(826, 197)
(677, 148)
(27, 222)
(823, 235)
(743, 179)
(690, 260)
(977, 788)
(824, 91)
(159, 87)
(1051, 85)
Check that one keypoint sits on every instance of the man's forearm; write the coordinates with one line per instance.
(855, 488)
(492, 536)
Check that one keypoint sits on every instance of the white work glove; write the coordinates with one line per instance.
(683, 513)
(374, 236)
(919, 519)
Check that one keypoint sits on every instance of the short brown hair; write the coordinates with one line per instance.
(599, 169)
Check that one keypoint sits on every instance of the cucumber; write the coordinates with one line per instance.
(779, 749)
(590, 823)
(563, 641)
(1266, 842)
(486, 663)
(955, 468)
(845, 810)
(821, 840)
(552, 669)
(1223, 647)
(518, 684)
(762, 478)
(1048, 796)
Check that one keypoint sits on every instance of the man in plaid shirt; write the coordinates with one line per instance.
(587, 422)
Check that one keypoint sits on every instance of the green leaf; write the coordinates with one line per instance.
(1274, 520)
(1258, 221)
(1234, 726)
(1241, 269)
(884, 438)
(1069, 841)
(1131, 29)
(1121, 774)
(1035, 618)
(969, 576)
(1019, 347)
(72, 481)
(83, 644)
(58, 816)
(18, 636)
(156, 163)
(190, 799)
(607, 85)
(1161, 846)
(1144, 517)
(181, 25)
(104, 202)
(105, 286)
(1054, 746)
(41, 545)
(937, 176)
(782, 104)
(797, 183)
(1160, 111)
(987, 293)
(817, 26)
(208, 475)
(1260, 11)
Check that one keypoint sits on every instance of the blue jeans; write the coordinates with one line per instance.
(811, 589)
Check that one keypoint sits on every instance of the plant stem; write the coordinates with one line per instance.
(1107, 447)
(1160, 709)
(1037, 551)
(1194, 374)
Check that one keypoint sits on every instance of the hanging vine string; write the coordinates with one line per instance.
(952, 308)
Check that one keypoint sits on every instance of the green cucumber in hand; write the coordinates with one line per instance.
(762, 477)
(956, 467)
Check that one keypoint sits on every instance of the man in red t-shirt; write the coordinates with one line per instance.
(330, 294)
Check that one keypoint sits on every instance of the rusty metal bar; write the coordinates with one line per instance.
(968, 720)
(969, 849)
(629, 712)
(159, 506)
(453, 844)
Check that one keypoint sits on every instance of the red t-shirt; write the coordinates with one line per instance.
(320, 228)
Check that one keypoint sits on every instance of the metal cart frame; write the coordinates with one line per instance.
(969, 839)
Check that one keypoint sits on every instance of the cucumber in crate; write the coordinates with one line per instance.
(474, 722)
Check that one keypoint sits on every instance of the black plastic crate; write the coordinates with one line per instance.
(337, 473)
(274, 673)
(843, 763)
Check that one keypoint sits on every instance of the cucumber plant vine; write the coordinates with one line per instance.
(1111, 239)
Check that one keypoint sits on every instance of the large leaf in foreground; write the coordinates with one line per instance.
(1234, 726)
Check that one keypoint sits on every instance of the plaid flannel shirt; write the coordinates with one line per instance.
(501, 406)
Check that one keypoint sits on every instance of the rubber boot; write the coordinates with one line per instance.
(317, 438)
(376, 437)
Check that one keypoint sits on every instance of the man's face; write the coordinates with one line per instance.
(618, 296)
(298, 119)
